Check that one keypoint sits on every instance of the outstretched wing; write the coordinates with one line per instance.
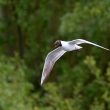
(81, 41)
(50, 60)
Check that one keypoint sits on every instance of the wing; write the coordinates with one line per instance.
(50, 60)
(81, 41)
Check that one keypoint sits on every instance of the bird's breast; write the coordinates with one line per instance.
(69, 47)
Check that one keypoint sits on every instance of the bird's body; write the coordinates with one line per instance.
(68, 47)
(62, 47)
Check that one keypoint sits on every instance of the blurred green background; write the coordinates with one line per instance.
(79, 80)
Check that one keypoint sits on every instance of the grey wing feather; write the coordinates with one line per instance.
(50, 60)
(81, 41)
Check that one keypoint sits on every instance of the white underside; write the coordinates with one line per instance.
(67, 47)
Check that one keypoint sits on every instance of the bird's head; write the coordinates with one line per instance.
(57, 43)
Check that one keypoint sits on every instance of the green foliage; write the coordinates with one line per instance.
(87, 89)
(79, 81)
(90, 20)
(14, 87)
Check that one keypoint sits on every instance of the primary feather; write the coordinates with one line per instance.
(81, 41)
(50, 60)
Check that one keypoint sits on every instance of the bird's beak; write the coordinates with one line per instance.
(55, 45)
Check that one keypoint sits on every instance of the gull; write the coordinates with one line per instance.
(61, 48)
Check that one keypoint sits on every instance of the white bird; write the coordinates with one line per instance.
(61, 48)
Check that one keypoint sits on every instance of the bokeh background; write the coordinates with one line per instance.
(79, 80)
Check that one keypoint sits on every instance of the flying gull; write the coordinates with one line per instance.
(61, 48)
